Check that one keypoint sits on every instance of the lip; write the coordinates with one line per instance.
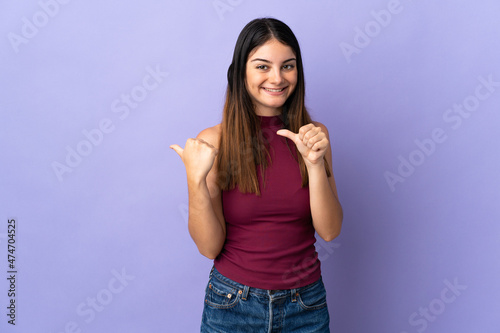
(277, 93)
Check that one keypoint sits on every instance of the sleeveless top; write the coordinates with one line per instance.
(270, 238)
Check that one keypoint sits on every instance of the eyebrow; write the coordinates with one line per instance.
(267, 61)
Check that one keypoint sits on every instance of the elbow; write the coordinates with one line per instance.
(210, 246)
(209, 253)
(330, 237)
(210, 249)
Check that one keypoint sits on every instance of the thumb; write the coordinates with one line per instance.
(177, 149)
(287, 134)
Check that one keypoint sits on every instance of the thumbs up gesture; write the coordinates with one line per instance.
(311, 141)
(198, 157)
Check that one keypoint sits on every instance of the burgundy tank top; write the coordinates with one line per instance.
(270, 239)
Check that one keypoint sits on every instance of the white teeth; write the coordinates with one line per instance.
(274, 90)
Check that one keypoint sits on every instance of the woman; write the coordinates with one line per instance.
(260, 186)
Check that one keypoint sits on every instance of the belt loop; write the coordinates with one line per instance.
(294, 294)
(245, 293)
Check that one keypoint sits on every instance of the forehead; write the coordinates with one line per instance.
(272, 50)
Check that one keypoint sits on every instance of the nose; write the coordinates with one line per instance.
(275, 76)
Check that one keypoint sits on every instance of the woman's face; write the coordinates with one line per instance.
(271, 76)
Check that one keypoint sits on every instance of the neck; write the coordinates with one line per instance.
(268, 112)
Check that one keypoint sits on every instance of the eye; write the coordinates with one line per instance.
(288, 67)
(263, 67)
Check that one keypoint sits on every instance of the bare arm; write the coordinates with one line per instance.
(206, 220)
(313, 143)
(326, 210)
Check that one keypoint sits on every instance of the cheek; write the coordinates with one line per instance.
(293, 81)
(292, 78)
(249, 85)
(252, 88)
(249, 80)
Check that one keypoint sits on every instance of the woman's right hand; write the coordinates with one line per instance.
(198, 157)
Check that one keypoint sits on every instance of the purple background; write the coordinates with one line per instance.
(123, 208)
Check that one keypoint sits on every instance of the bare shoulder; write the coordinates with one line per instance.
(211, 135)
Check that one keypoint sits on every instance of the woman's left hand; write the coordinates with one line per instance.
(311, 142)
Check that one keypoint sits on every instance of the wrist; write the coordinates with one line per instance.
(196, 182)
(315, 167)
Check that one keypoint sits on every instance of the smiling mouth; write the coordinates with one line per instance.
(274, 90)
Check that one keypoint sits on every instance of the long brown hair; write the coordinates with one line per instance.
(242, 147)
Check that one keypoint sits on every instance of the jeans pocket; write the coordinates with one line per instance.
(312, 297)
(220, 295)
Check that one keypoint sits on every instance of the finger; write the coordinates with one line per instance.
(202, 141)
(304, 130)
(177, 149)
(312, 136)
(199, 141)
(215, 151)
(320, 145)
(287, 134)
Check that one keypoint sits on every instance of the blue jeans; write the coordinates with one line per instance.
(231, 307)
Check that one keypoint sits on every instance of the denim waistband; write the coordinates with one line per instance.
(245, 290)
